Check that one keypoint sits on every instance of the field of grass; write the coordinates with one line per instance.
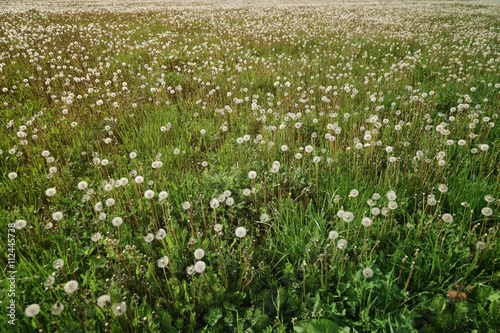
(326, 168)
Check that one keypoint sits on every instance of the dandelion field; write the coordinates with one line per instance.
(251, 168)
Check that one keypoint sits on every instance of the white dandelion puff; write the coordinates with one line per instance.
(240, 232)
(71, 286)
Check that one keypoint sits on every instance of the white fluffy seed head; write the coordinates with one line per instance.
(71, 286)
(240, 232)
(367, 272)
(214, 203)
(50, 192)
(149, 194)
(199, 253)
(82, 185)
(117, 221)
(199, 267)
(163, 262)
(32, 310)
(333, 235)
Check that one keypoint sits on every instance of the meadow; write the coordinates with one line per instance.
(255, 168)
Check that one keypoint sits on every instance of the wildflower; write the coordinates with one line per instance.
(229, 201)
(354, 193)
(298, 156)
(149, 238)
(103, 300)
(123, 181)
(316, 159)
(102, 216)
(149, 194)
(240, 232)
(342, 244)
(50, 281)
(252, 174)
(392, 205)
(98, 206)
(489, 198)
(480, 245)
(218, 227)
(384, 211)
(139, 179)
(163, 262)
(96, 237)
(246, 192)
(264, 218)
(376, 196)
(51, 192)
(367, 272)
(71, 286)
(366, 221)
(375, 211)
(57, 216)
(12, 175)
(348, 217)
(214, 203)
(110, 202)
(190, 270)
(19, 224)
(199, 266)
(391, 196)
(82, 185)
(119, 308)
(308, 149)
(161, 234)
(487, 211)
(333, 235)
(132, 155)
(443, 188)
(32, 310)
(186, 205)
(57, 309)
(199, 253)
(117, 221)
(431, 202)
(447, 218)
(162, 195)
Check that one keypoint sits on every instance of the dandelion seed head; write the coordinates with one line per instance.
(103, 300)
(367, 272)
(240, 232)
(199, 267)
(163, 262)
(342, 244)
(32, 310)
(70, 287)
